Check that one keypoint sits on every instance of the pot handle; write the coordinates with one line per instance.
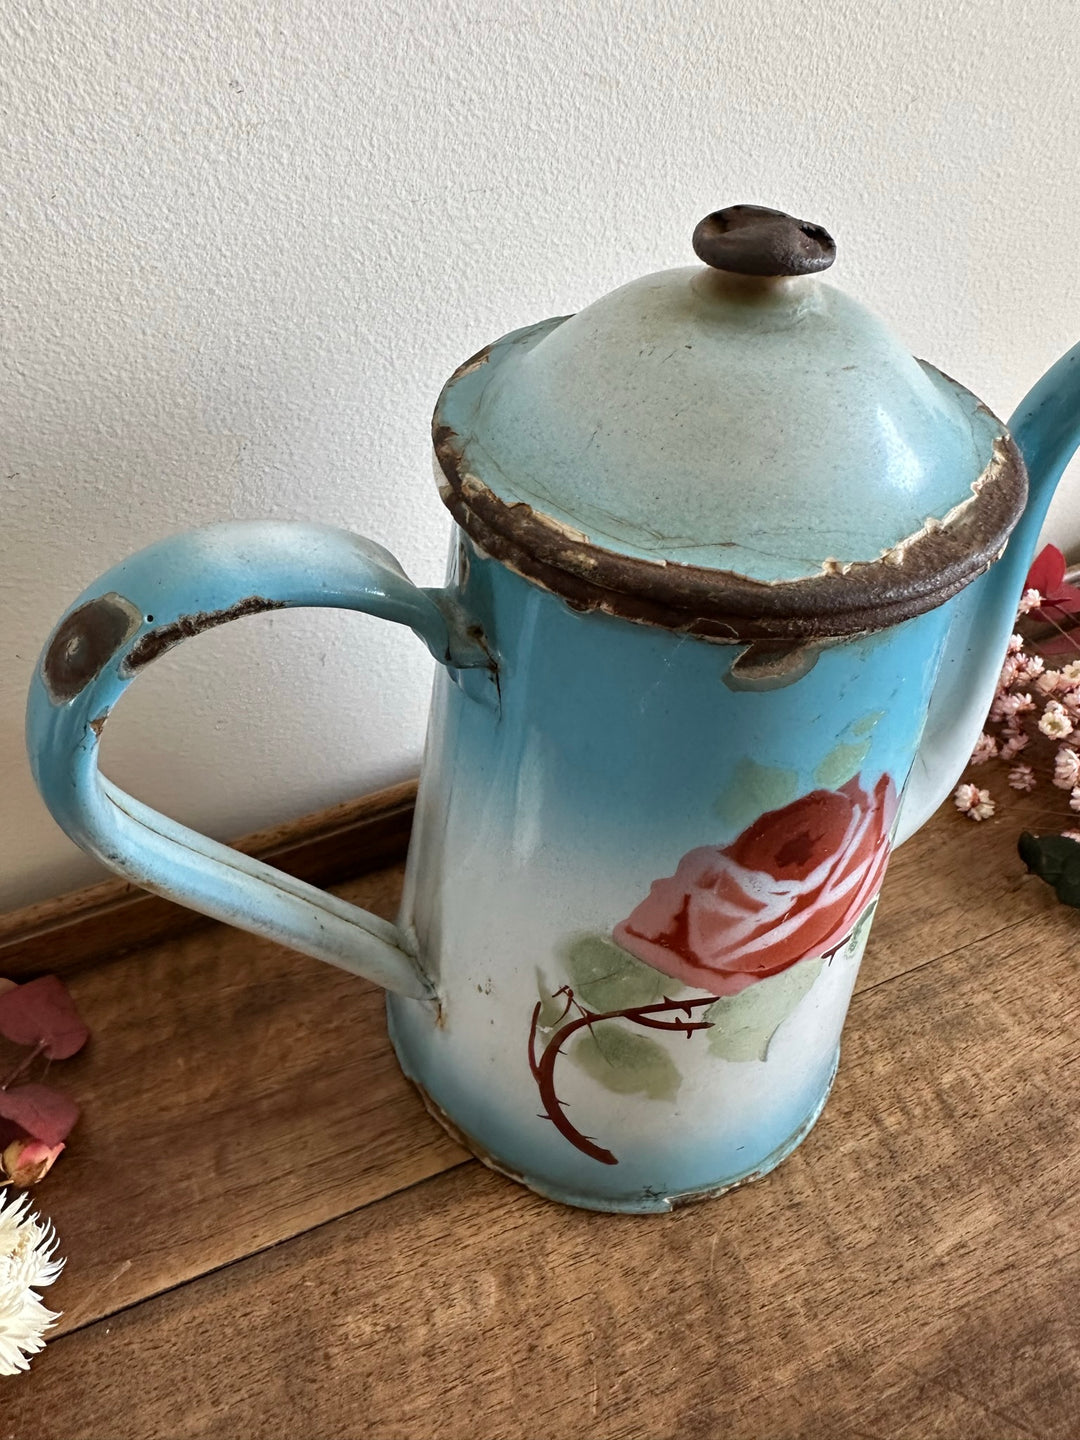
(141, 608)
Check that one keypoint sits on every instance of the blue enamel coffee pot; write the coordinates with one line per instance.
(730, 582)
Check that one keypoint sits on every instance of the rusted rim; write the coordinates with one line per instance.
(916, 575)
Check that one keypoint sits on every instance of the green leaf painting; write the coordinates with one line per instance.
(625, 1062)
(842, 763)
(755, 789)
(744, 1024)
(604, 976)
(867, 723)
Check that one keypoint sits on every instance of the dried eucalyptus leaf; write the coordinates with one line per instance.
(41, 1012)
(42, 1112)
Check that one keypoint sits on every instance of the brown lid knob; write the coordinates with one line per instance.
(752, 240)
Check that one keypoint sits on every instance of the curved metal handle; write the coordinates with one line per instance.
(141, 608)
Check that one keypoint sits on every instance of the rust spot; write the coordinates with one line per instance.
(771, 664)
(85, 642)
(914, 576)
(696, 1197)
(156, 642)
(98, 723)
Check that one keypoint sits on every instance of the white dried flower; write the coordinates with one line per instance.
(1049, 682)
(1016, 643)
(1032, 667)
(1071, 835)
(1074, 799)
(1055, 722)
(1030, 600)
(973, 802)
(27, 1264)
(1071, 672)
(1066, 768)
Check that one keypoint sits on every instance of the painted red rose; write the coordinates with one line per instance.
(792, 885)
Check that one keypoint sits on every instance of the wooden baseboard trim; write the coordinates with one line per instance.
(87, 926)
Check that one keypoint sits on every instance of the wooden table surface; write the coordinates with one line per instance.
(268, 1237)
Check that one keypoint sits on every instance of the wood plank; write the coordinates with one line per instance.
(911, 1271)
(106, 920)
(233, 1093)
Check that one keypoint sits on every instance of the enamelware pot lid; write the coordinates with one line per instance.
(736, 450)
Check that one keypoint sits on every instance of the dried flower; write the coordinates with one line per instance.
(27, 1248)
(1071, 672)
(973, 802)
(1071, 835)
(985, 749)
(1008, 707)
(1074, 799)
(1030, 600)
(1015, 740)
(1009, 670)
(1022, 777)
(1016, 643)
(1055, 722)
(1030, 668)
(27, 1161)
(1049, 681)
(1066, 768)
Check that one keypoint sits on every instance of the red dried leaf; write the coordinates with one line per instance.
(1047, 575)
(1064, 601)
(9, 1132)
(1061, 645)
(42, 1013)
(43, 1113)
(1047, 571)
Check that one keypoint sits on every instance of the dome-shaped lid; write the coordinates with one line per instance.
(737, 450)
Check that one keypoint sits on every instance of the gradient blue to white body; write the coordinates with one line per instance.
(613, 750)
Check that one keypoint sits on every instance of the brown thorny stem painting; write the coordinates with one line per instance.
(793, 887)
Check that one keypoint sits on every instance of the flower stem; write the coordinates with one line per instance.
(23, 1065)
(543, 1069)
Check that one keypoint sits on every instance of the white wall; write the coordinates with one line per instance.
(244, 242)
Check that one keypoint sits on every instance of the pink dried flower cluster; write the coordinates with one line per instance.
(1031, 699)
(973, 802)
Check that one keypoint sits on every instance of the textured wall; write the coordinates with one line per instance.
(244, 243)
